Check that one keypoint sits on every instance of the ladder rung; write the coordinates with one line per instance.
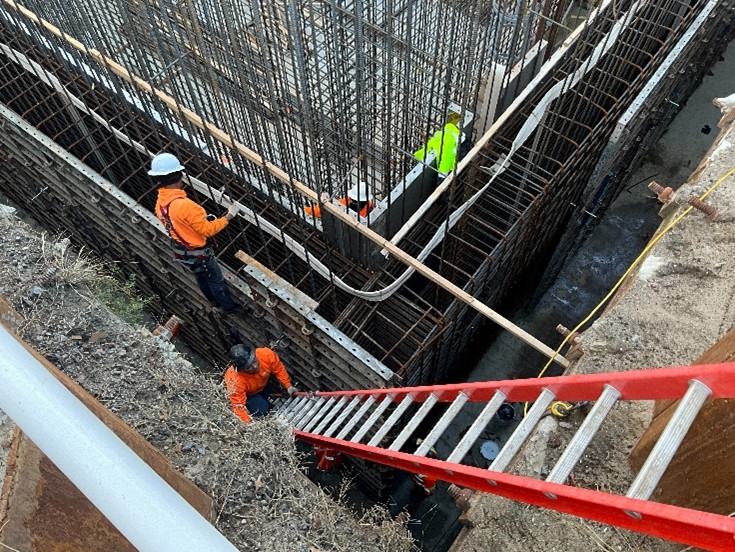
(584, 435)
(391, 421)
(356, 418)
(524, 429)
(331, 401)
(372, 419)
(673, 434)
(284, 412)
(441, 425)
(414, 422)
(279, 405)
(477, 427)
(298, 410)
(342, 416)
(311, 413)
(332, 413)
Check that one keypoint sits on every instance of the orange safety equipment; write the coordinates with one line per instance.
(316, 212)
(328, 458)
(185, 220)
(241, 384)
(425, 483)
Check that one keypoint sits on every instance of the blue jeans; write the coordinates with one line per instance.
(258, 404)
(212, 283)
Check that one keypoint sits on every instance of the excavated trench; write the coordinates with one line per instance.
(322, 354)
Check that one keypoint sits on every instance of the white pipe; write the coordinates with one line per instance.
(143, 507)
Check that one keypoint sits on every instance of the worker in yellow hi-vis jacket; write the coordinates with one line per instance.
(445, 143)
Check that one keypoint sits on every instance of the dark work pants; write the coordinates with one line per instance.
(212, 283)
(258, 404)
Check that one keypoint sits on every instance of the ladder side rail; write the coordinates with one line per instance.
(648, 384)
(690, 527)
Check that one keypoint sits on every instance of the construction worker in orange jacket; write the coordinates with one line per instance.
(187, 224)
(359, 199)
(248, 380)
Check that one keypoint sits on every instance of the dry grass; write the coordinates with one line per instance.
(253, 472)
(64, 264)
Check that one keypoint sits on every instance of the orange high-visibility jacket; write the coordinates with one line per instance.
(316, 212)
(189, 220)
(240, 385)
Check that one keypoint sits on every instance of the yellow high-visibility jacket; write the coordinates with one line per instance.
(445, 143)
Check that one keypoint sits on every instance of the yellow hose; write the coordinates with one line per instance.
(645, 251)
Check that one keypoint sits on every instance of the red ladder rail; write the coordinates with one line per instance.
(691, 527)
(700, 529)
(650, 384)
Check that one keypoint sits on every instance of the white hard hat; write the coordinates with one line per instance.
(163, 164)
(360, 192)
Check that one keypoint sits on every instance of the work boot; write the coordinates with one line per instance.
(243, 310)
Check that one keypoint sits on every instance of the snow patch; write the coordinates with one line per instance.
(723, 145)
(725, 103)
(650, 266)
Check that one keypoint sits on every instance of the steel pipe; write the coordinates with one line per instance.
(143, 507)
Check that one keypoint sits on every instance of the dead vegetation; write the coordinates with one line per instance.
(262, 501)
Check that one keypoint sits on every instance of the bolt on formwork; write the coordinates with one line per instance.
(312, 88)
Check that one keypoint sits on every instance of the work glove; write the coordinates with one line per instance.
(291, 390)
(233, 210)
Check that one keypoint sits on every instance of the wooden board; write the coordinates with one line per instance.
(702, 473)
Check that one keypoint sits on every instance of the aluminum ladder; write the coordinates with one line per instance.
(343, 421)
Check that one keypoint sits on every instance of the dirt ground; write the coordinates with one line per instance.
(262, 500)
(676, 304)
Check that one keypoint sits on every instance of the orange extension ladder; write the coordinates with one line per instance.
(334, 420)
